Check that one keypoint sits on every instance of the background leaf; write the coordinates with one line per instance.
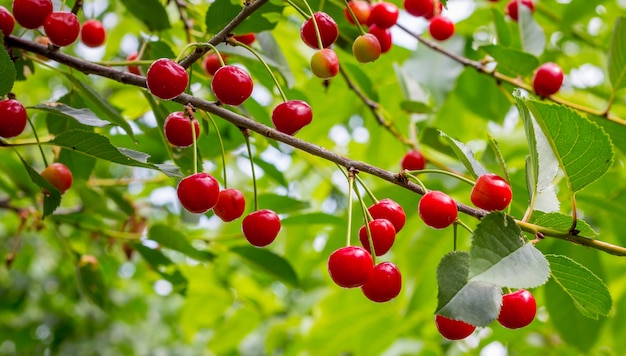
(617, 55)
(465, 155)
(52, 199)
(84, 116)
(150, 12)
(7, 71)
(269, 262)
(175, 240)
(512, 61)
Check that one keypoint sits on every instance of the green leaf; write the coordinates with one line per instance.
(590, 295)
(502, 29)
(52, 197)
(563, 222)
(532, 35)
(84, 116)
(511, 60)
(7, 70)
(150, 12)
(273, 52)
(576, 10)
(617, 55)
(465, 155)
(415, 107)
(271, 171)
(584, 151)
(269, 262)
(282, 203)
(163, 266)
(175, 240)
(91, 281)
(221, 12)
(312, 218)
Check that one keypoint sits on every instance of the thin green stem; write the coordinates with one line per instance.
(297, 8)
(439, 171)
(368, 218)
(219, 138)
(267, 68)
(43, 155)
(367, 189)
(318, 35)
(418, 181)
(354, 18)
(350, 192)
(189, 112)
(455, 229)
(246, 135)
(463, 225)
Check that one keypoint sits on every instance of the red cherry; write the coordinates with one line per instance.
(361, 10)
(59, 176)
(437, 209)
(93, 34)
(512, 10)
(231, 85)
(325, 63)
(7, 23)
(384, 14)
(453, 329)
(390, 210)
(350, 266)
(166, 79)
(366, 48)
(62, 28)
(491, 192)
(422, 8)
(31, 14)
(13, 118)
(198, 192)
(383, 236)
(384, 37)
(261, 227)
(413, 161)
(230, 204)
(212, 63)
(441, 28)
(383, 284)
(518, 309)
(292, 115)
(177, 129)
(133, 69)
(327, 27)
(548, 79)
(246, 39)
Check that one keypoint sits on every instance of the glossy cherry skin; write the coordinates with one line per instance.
(413, 161)
(390, 210)
(384, 37)
(491, 192)
(92, 33)
(62, 28)
(383, 284)
(211, 63)
(327, 27)
(383, 236)
(349, 267)
(422, 8)
(441, 28)
(261, 227)
(198, 192)
(230, 204)
(518, 309)
(247, 38)
(548, 79)
(166, 79)
(453, 329)
(384, 14)
(325, 63)
(512, 10)
(366, 48)
(437, 209)
(361, 9)
(292, 115)
(133, 69)
(7, 22)
(231, 85)
(59, 176)
(31, 14)
(177, 129)
(13, 118)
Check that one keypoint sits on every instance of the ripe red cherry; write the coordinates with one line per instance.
(384, 37)
(383, 236)
(366, 48)
(518, 309)
(198, 192)
(512, 10)
(422, 8)
(437, 209)
(384, 14)
(93, 34)
(212, 63)
(231, 85)
(327, 27)
(13, 118)
(292, 115)
(325, 63)
(59, 176)
(7, 23)
(548, 79)
(390, 210)
(350, 266)
(491, 192)
(441, 28)
(133, 69)
(31, 14)
(62, 28)
(166, 79)
(230, 204)
(361, 9)
(383, 284)
(177, 129)
(453, 329)
(413, 161)
(261, 227)
(247, 38)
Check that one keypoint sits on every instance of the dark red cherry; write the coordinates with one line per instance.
(413, 161)
(230, 204)
(383, 235)
(292, 115)
(548, 79)
(390, 210)
(166, 79)
(491, 192)
(383, 284)
(441, 28)
(198, 192)
(62, 28)
(13, 118)
(437, 209)
(7, 22)
(247, 38)
(518, 309)
(212, 63)
(31, 14)
(350, 266)
(231, 85)
(453, 329)
(133, 69)
(261, 227)
(177, 129)
(327, 27)
(384, 37)
(92, 33)
(384, 14)
(513, 11)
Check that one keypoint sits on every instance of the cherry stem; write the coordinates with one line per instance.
(463, 225)
(417, 180)
(367, 189)
(246, 136)
(354, 18)
(318, 35)
(297, 8)
(43, 156)
(368, 218)
(451, 174)
(455, 230)
(219, 138)
(189, 113)
(234, 42)
(351, 175)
